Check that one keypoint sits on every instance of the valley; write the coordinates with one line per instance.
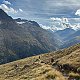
(30, 52)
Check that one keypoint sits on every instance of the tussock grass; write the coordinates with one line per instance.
(74, 75)
(40, 67)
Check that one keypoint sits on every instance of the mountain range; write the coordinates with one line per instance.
(68, 36)
(48, 55)
(19, 40)
(65, 33)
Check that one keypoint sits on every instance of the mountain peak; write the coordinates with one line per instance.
(4, 16)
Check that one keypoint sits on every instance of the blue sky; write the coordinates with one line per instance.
(42, 10)
(45, 8)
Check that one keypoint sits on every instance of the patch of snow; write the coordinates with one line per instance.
(30, 22)
(20, 22)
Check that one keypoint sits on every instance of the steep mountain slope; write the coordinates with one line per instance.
(71, 42)
(58, 65)
(22, 40)
(68, 36)
(4, 16)
(74, 35)
(47, 39)
(65, 33)
(72, 39)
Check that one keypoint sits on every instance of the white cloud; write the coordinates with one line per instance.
(59, 20)
(62, 23)
(76, 26)
(44, 27)
(20, 22)
(6, 2)
(52, 28)
(20, 10)
(8, 9)
(78, 12)
(65, 20)
(55, 19)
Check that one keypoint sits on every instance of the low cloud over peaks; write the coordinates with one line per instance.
(46, 12)
(20, 10)
(6, 2)
(8, 9)
(77, 12)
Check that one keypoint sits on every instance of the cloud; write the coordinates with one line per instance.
(44, 27)
(6, 2)
(77, 12)
(56, 19)
(20, 10)
(8, 9)
(60, 23)
(59, 20)
(52, 28)
(76, 26)
(44, 9)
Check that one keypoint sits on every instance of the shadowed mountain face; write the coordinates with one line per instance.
(4, 16)
(65, 33)
(19, 20)
(68, 36)
(76, 34)
(71, 39)
(22, 40)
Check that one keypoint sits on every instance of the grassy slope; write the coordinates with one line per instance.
(29, 69)
(45, 67)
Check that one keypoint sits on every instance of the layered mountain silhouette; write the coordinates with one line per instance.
(65, 33)
(72, 39)
(68, 36)
(76, 34)
(22, 40)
